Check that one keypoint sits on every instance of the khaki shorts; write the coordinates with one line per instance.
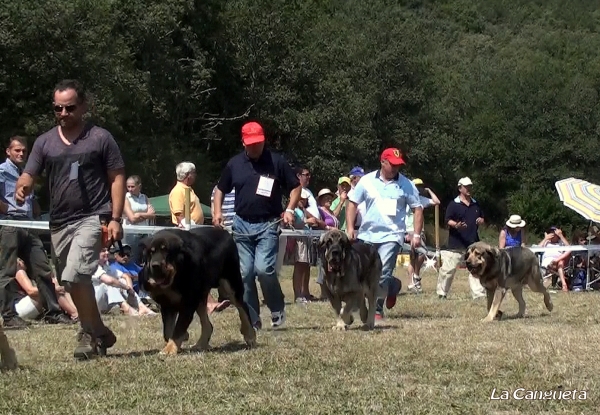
(77, 249)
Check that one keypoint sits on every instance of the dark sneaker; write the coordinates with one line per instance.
(15, 323)
(86, 346)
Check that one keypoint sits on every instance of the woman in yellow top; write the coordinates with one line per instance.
(186, 176)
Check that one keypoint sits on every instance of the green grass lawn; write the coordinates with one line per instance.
(428, 357)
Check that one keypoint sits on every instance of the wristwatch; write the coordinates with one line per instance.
(118, 220)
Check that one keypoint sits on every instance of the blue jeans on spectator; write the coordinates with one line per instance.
(257, 245)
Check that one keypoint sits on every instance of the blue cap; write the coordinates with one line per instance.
(357, 171)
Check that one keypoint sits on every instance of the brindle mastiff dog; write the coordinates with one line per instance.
(8, 358)
(352, 272)
(501, 269)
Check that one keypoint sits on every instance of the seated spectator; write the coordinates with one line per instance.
(555, 260)
(114, 288)
(29, 304)
(513, 234)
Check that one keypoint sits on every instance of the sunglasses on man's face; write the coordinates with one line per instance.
(68, 108)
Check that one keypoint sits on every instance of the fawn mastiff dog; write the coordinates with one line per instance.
(499, 270)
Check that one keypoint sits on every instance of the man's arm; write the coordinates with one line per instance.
(414, 202)
(33, 168)
(450, 214)
(115, 169)
(3, 205)
(116, 178)
(355, 198)
(294, 198)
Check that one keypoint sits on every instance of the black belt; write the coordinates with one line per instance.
(258, 219)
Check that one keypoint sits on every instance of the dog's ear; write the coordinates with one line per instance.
(467, 253)
(322, 240)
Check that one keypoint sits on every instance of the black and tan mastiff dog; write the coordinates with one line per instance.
(499, 270)
(352, 272)
(180, 268)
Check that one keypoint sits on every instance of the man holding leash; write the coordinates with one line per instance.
(87, 182)
(386, 193)
(259, 178)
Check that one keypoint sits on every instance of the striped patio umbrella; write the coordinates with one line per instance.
(581, 196)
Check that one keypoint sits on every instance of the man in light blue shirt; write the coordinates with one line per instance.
(386, 193)
(22, 243)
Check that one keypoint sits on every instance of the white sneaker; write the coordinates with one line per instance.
(415, 285)
(277, 319)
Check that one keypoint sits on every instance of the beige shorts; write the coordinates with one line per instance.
(77, 249)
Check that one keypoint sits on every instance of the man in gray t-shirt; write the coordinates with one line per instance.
(86, 176)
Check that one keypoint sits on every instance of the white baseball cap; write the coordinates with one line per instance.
(465, 181)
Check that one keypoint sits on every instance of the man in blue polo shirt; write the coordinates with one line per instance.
(259, 177)
(385, 193)
(463, 217)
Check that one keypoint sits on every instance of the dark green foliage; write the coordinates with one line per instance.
(505, 92)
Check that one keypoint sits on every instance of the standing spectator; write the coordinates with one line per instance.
(355, 175)
(386, 193)
(228, 208)
(22, 243)
(186, 177)
(513, 234)
(138, 211)
(338, 206)
(305, 257)
(259, 177)
(463, 218)
(86, 177)
(417, 256)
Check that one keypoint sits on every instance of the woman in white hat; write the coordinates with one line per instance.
(513, 234)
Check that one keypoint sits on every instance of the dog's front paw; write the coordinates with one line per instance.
(340, 327)
(170, 349)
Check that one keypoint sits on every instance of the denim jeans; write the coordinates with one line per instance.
(257, 245)
(388, 252)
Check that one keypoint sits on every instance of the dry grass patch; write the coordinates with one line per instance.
(430, 356)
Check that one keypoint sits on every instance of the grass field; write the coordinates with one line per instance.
(429, 356)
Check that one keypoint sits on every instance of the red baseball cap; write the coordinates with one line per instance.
(252, 133)
(393, 155)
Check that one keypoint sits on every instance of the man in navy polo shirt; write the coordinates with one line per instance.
(385, 194)
(259, 178)
(463, 217)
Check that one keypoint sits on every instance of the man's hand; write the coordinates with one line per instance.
(311, 221)
(151, 210)
(558, 232)
(288, 218)
(115, 231)
(479, 221)
(21, 193)
(351, 233)
(415, 241)
(343, 196)
(60, 290)
(460, 225)
(217, 219)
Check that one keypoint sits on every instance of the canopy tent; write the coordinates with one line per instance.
(161, 206)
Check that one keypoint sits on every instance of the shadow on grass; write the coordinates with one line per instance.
(225, 348)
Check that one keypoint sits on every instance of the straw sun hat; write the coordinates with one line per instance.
(515, 221)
